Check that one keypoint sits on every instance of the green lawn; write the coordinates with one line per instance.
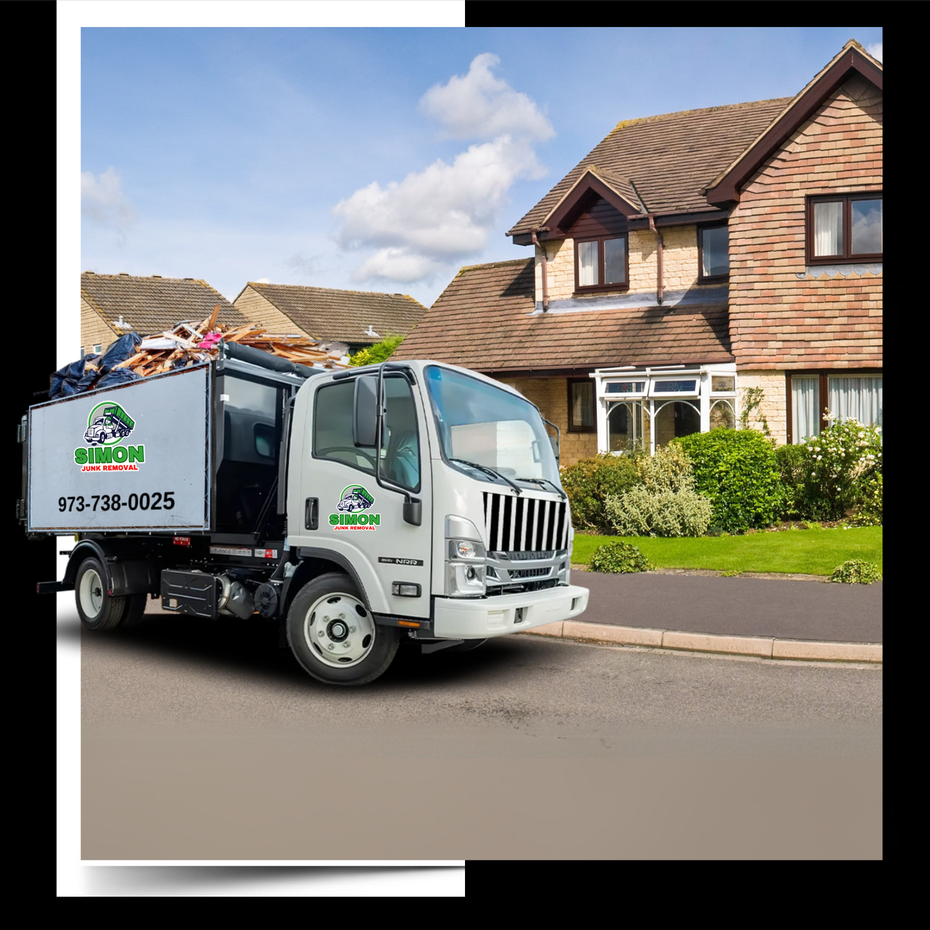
(807, 552)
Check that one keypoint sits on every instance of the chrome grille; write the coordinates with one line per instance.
(520, 523)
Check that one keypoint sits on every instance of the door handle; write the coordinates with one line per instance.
(312, 514)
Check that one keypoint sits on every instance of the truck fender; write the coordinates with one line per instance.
(131, 576)
(315, 562)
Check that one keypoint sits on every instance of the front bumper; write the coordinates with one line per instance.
(463, 618)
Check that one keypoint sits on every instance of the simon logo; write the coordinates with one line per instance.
(107, 426)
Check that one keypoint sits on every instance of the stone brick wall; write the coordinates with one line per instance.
(551, 396)
(93, 329)
(774, 403)
(781, 314)
(679, 263)
(258, 310)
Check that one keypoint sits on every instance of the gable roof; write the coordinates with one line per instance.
(343, 316)
(484, 320)
(153, 304)
(670, 159)
(852, 59)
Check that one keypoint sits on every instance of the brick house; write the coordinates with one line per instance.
(688, 260)
(350, 319)
(114, 304)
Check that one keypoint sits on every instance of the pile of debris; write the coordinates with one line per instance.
(133, 356)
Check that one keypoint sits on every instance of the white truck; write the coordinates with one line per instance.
(411, 502)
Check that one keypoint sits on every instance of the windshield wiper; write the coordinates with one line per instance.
(554, 486)
(489, 471)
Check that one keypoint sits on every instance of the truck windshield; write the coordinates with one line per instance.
(481, 425)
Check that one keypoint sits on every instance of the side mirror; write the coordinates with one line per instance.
(554, 442)
(365, 411)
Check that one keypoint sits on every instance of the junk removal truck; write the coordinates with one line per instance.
(410, 502)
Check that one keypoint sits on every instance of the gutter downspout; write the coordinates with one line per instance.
(545, 276)
(660, 247)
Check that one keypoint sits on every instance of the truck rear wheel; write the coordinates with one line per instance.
(98, 609)
(333, 635)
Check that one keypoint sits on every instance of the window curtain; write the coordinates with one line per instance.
(587, 264)
(805, 408)
(856, 397)
(828, 229)
(583, 405)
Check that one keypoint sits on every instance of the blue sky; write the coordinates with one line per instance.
(378, 159)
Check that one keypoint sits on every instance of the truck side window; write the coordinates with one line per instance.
(332, 432)
(332, 427)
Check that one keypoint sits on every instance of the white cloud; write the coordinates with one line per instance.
(103, 200)
(875, 50)
(437, 217)
(479, 105)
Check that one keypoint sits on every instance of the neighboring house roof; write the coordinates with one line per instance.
(485, 320)
(852, 60)
(151, 305)
(669, 158)
(343, 316)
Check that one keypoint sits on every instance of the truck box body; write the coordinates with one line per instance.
(156, 475)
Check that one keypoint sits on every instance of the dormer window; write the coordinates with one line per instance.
(713, 253)
(601, 263)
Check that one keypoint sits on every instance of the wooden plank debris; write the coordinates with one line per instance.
(190, 342)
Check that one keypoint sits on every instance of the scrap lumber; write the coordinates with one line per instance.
(190, 342)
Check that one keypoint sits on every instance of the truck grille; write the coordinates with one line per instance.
(519, 523)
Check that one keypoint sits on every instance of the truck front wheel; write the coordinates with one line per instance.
(98, 609)
(333, 635)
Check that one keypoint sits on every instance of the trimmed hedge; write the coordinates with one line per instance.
(738, 471)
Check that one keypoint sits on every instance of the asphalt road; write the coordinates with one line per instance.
(203, 741)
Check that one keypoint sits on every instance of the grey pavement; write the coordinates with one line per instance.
(795, 617)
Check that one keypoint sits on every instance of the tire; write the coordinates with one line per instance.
(333, 635)
(134, 610)
(97, 609)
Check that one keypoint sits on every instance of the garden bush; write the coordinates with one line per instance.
(619, 558)
(664, 503)
(856, 571)
(589, 482)
(738, 471)
(869, 512)
(644, 512)
(842, 464)
(791, 460)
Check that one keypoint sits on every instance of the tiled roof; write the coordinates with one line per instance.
(484, 320)
(669, 158)
(154, 304)
(344, 316)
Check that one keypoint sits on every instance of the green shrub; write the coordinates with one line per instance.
(589, 482)
(379, 352)
(619, 557)
(644, 512)
(737, 470)
(791, 460)
(870, 504)
(841, 463)
(856, 571)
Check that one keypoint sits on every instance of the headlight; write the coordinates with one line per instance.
(465, 559)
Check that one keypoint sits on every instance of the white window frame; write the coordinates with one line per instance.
(653, 399)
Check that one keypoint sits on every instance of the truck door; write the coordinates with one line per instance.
(356, 516)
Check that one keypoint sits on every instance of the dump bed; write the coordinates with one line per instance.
(137, 456)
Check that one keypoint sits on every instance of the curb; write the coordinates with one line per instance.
(756, 646)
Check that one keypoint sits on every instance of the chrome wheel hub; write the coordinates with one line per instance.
(339, 630)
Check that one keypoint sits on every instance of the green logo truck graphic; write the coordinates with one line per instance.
(353, 508)
(107, 426)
